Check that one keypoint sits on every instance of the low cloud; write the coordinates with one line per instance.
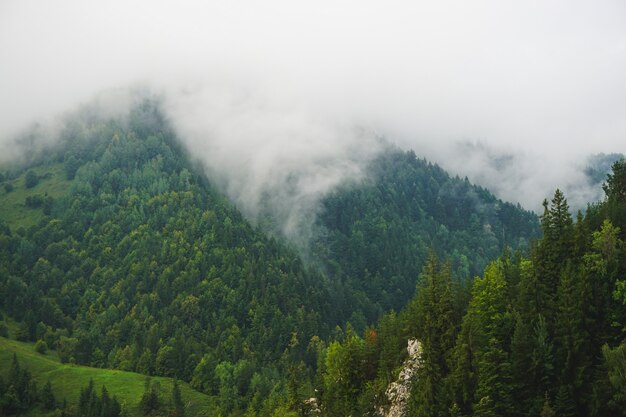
(288, 99)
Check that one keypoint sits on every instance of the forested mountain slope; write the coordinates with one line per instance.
(142, 266)
(139, 264)
(376, 235)
(541, 335)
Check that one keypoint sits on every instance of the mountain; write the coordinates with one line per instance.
(376, 235)
(117, 252)
(541, 334)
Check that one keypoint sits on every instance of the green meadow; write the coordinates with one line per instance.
(14, 212)
(68, 379)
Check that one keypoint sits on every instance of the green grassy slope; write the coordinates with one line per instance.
(67, 379)
(14, 212)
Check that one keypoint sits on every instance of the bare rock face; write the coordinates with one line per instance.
(312, 407)
(398, 392)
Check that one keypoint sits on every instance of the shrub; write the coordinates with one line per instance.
(34, 201)
(4, 330)
(31, 179)
(41, 346)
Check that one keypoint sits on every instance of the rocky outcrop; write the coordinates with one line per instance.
(312, 408)
(398, 392)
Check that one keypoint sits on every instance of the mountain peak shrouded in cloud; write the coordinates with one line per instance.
(279, 94)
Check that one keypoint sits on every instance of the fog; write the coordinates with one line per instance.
(285, 100)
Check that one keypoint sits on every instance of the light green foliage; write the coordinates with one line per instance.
(41, 347)
(12, 207)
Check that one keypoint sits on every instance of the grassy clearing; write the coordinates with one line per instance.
(13, 211)
(68, 379)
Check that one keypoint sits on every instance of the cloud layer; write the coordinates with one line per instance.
(282, 94)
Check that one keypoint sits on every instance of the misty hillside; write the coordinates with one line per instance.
(599, 165)
(124, 256)
(539, 335)
(376, 235)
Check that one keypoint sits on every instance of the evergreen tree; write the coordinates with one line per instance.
(436, 330)
(493, 395)
(47, 397)
(554, 251)
(546, 409)
(571, 338)
(150, 402)
(178, 407)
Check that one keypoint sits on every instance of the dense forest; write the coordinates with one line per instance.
(376, 236)
(142, 265)
(539, 335)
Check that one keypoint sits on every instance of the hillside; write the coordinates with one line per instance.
(376, 235)
(67, 380)
(51, 183)
(540, 335)
(137, 263)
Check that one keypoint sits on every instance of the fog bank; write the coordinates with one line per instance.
(288, 99)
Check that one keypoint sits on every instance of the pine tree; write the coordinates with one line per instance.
(546, 409)
(178, 407)
(572, 359)
(521, 362)
(554, 249)
(47, 397)
(436, 331)
(615, 189)
(481, 362)
(564, 404)
(493, 395)
(615, 186)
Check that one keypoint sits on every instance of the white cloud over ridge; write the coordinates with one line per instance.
(265, 92)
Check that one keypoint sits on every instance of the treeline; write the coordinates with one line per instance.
(20, 395)
(19, 392)
(543, 335)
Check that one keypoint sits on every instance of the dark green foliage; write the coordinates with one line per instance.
(616, 368)
(145, 267)
(8, 187)
(31, 179)
(71, 165)
(150, 403)
(436, 328)
(19, 394)
(47, 205)
(530, 342)
(376, 236)
(34, 201)
(546, 409)
(615, 186)
(93, 405)
(177, 407)
(41, 346)
(47, 397)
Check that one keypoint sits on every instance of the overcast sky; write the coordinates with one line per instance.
(298, 81)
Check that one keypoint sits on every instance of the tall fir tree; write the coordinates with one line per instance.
(436, 330)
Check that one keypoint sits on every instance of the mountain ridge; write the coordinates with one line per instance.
(144, 266)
